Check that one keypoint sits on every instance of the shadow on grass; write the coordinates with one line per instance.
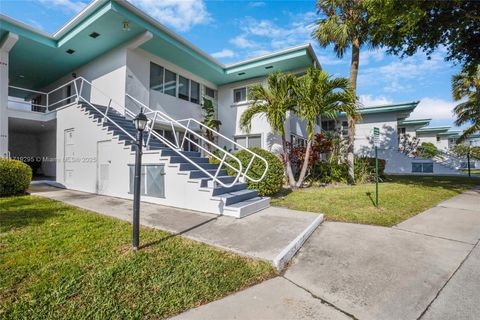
(369, 195)
(22, 211)
(152, 243)
(282, 193)
(444, 182)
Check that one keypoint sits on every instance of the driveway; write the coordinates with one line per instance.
(424, 268)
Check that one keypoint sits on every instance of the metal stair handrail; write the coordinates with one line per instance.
(156, 114)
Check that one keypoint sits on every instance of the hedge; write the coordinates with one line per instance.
(15, 177)
(273, 180)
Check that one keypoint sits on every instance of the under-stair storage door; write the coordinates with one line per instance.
(104, 160)
(152, 180)
(69, 155)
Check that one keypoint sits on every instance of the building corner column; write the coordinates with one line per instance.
(6, 44)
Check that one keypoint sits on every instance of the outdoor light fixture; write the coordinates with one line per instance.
(126, 25)
(140, 123)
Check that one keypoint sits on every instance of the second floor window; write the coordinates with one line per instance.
(195, 94)
(240, 95)
(183, 88)
(328, 125)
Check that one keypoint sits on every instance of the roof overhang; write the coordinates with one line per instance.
(106, 18)
(414, 122)
(436, 130)
(403, 110)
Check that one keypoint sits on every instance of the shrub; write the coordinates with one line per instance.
(272, 182)
(15, 177)
(328, 172)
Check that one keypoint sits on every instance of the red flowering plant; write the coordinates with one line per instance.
(321, 145)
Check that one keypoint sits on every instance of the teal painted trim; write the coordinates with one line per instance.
(84, 24)
(414, 122)
(453, 133)
(433, 129)
(384, 109)
(253, 64)
(159, 33)
(22, 32)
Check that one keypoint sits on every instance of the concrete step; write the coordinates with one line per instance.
(220, 190)
(189, 166)
(230, 198)
(170, 152)
(247, 207)
(204, 182)
(179, 159)
(200, 174)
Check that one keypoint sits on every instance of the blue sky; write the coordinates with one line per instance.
(236, 30)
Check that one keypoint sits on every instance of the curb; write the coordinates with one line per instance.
(289, 251)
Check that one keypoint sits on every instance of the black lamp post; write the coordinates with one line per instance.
(468, 157)
(140, 123)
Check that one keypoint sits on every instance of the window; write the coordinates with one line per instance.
(209, 92)
(297, 141)
(344, 128)
(422, 167)
(183, 88)
(170, 83)
(328, 125)
(156, 77)
(402, 130)
(152, 182)
(195, 95)
(438, 138)
(248, 141)
(240, 95)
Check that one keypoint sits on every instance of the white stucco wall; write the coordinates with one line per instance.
(107, 74)
(138, 85)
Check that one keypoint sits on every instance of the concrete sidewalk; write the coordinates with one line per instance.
(273, 234)
(425, 268)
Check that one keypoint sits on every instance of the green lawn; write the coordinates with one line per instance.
(400, 198)
(60, 262)
(472, 171)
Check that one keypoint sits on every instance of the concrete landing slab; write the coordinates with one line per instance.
(449, 223)
(275, 299)
(460, 299)
(375, 272)
(273, 234)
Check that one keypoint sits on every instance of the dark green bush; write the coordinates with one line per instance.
(15, 177)
(428, 150)
(328, 172)
(272, 182)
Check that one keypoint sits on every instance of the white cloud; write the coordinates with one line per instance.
(242, 42)
(433, 108)
(225, 53)
(180, 14)
(367, 100)
(67, 5)
(256, 4)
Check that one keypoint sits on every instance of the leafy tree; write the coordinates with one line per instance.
(461, 150)
(408, 144)
(319, 94)
(406, 26)
(466, 85)
(210, 121)
(344, 24)
(273, 101)
(428, 150)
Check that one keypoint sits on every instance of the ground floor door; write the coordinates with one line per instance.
(104, 160)
(69, 155)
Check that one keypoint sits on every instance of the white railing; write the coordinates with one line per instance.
(80, 90)
(205, 144)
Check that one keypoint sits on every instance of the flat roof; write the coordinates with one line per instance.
(106, 18)
(433, 129)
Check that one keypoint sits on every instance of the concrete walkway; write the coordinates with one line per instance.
(427, 267)
(273, 235)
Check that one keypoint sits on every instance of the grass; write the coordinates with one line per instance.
(400, 197)
(60, 262)
(472, 171)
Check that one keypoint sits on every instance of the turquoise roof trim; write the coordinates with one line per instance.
(105, 17)
(433, 129)
(399, 107)
(413, 122)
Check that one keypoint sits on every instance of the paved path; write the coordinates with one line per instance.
(427, 267)
(274, 234)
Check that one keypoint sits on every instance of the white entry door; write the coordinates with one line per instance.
(104, 160)
(69, 155)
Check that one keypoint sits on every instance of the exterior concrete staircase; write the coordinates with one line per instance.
(235, 200)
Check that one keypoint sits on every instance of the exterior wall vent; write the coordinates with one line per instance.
(241, 73)
(269, 67)
(70, 51)
(94, 34)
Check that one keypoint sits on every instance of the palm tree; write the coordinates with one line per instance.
(345, 25)
(319, 94)
(273, 101)
(209, 120)
(467, 85)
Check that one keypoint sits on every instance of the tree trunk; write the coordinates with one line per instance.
(305, 164)
(351, 121)
(288, 165)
